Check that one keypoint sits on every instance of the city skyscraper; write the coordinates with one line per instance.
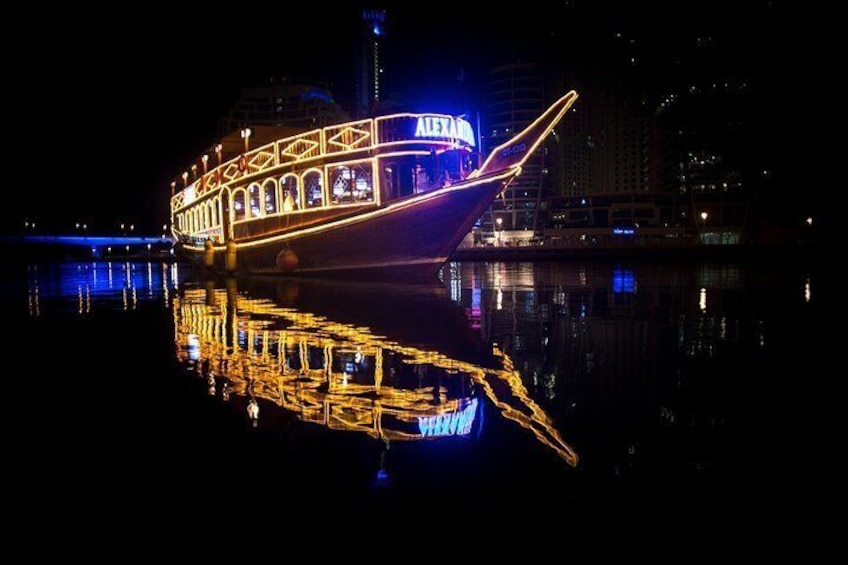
(369, 84)
(516, 95)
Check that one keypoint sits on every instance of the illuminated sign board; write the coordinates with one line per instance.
(624, 231)
(452, 424)
(445, 127)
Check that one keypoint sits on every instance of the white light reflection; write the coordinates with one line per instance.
(807, 291)
(165, 284)
(702, 300)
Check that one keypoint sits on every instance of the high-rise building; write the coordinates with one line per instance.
(285, 103)
(517, 96)
(369, 83)
(603, 150)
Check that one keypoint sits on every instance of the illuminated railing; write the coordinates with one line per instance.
(320, 394)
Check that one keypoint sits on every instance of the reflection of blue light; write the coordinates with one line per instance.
(623, 280)
(193, 347)
(377, 30)
(382, 475)
(65, 279)
(350, 367)
(452, 424)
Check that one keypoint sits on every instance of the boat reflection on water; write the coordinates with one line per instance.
(394, 362)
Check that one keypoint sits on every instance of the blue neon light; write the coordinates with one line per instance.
(452, 424)
(443, 127)
(623, 281)
(624, 231)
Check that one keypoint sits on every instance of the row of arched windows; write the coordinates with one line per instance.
(202, 217)
(288, 193)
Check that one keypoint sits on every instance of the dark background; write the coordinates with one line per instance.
(105, 108)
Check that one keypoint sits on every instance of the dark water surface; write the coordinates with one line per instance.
(562, 388)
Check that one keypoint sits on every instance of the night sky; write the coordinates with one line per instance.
(105, 116)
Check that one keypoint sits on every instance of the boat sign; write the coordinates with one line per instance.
(445, 127)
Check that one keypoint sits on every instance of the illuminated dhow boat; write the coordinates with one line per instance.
(397, 192)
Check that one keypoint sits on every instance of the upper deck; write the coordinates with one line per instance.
(396, 134)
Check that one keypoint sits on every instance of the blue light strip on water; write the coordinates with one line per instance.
(452, 424)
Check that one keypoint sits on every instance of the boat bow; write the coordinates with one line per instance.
(515, 152)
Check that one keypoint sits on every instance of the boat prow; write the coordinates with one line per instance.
(515, 152)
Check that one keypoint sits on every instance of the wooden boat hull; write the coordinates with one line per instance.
(415, 236)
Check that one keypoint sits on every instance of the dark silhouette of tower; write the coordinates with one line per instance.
(369, 83)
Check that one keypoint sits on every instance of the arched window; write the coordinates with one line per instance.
(213, 213)
(269, 191)
(180, 222)
(351, 184)
(255, 202)
(341, 183)
(206, 224)
(239, 205)
(313, 188)
(290, 190)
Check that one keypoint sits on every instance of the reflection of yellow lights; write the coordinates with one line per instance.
(702, 300)
(346, 403)
(807, 292)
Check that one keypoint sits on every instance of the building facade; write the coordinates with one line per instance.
(284, 103)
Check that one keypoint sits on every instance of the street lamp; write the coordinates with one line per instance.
(132, 227)
(194, 171)
(704, 216)
(218, 149)
(499, 222)
(173, 187)
(245, 135)
(185, 179)
(809, 220)
(205, 160)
